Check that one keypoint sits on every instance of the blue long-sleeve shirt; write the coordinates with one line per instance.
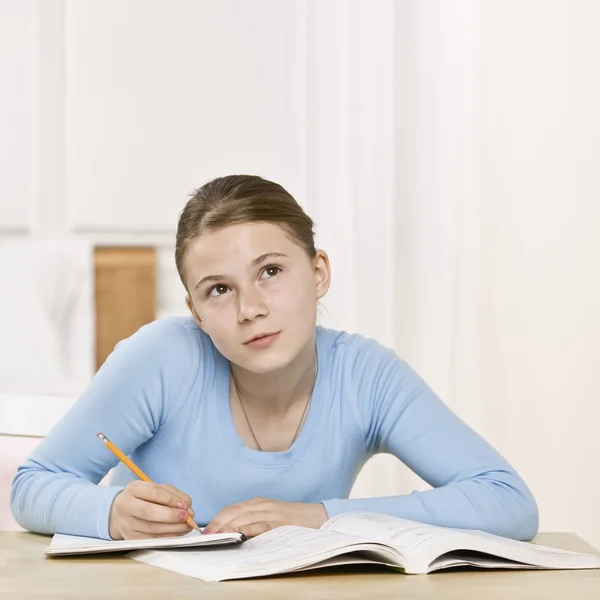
(163, 397)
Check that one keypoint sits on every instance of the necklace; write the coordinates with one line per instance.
(237, 391)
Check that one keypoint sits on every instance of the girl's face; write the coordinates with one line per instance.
(249, 280)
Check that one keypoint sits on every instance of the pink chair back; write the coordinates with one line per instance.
(24, 422)
(13, 451)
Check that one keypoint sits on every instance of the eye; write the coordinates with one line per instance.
(217, 290)
(270, 271)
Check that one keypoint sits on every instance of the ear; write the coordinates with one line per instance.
(191, 308)
(322, 273)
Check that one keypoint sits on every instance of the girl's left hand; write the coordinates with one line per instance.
(258, 515)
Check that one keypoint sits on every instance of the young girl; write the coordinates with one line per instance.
(251, 412)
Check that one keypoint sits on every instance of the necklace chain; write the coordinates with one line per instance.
(308, 400)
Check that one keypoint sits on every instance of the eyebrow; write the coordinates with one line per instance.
(254, 263)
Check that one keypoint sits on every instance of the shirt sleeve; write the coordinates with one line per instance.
(131, 396)
(474, 486)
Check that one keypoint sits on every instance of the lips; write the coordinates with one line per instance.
(260, 336)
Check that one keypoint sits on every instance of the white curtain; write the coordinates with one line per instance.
(389, 189)
(450, 152)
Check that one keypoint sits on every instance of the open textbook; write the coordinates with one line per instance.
(62, 545)
(363, 538)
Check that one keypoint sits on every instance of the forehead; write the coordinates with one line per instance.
(238, 243)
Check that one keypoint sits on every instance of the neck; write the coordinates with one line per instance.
(276, 392)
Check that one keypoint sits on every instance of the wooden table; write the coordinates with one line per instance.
(26, 573)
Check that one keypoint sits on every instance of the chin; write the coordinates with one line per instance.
(265, 364)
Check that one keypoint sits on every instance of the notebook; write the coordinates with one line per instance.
(62, 545)
(363, 538)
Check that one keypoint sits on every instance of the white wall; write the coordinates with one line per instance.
(537, 156)
(18, 117)
(498, 219)
(446, 151)
(149, 103)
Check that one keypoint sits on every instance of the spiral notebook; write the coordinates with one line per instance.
(63, 545)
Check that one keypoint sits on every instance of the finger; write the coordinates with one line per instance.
(223, 518)
(148, 511)
(256, 529)
(251, 526)
(245, 519)
(228, 514)
(152, 528)
(248, 519)
(157, 494)
(185, 497)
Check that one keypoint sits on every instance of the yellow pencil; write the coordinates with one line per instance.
(129, 463)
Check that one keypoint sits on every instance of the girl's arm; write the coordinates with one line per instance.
(128, 400)
(475, 487)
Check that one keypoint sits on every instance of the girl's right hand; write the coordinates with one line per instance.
(149, 510)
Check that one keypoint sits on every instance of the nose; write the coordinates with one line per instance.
(251, 305)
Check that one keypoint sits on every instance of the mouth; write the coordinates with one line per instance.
(261, 336)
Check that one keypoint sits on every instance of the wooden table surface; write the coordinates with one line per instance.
(26, 573)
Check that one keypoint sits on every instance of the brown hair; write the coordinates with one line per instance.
(236, 199)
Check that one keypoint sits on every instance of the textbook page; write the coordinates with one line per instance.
(421, 545)
(281, 550)
(62, 544)
(513, 553)
(417, 543)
